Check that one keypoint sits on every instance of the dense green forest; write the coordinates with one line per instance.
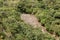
(13, 28)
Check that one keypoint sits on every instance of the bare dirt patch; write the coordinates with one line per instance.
(33, 21)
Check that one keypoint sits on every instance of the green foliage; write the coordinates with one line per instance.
(27, 6)
(50, 17)
(28, 33)
(13, 28)
(46, 11)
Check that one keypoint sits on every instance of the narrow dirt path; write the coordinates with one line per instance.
(33, 21)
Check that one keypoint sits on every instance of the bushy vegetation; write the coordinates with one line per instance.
(13, 28)
(48, 13)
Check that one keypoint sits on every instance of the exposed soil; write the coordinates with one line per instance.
(33, 21)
